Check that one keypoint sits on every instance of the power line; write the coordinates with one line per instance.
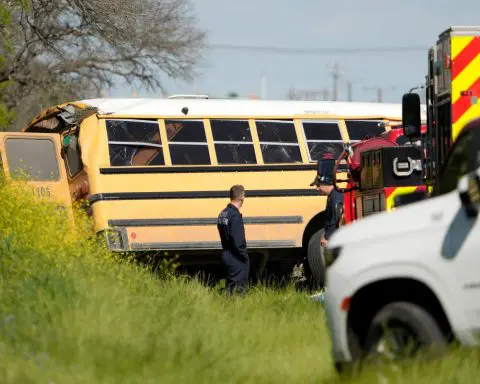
(318, 51)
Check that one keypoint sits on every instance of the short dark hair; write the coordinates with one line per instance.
(236, 192)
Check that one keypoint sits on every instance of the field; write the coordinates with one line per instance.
(72, 313)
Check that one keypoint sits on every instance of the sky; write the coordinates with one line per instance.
(316, 25)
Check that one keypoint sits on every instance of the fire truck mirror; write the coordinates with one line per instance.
(409, 198)
(411, 117)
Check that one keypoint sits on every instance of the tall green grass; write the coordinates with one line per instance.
(70, 312)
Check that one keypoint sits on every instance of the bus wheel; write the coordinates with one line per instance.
(400, 330)
(316, 259)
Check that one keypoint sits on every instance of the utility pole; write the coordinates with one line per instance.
(325, 94)
(379, 91)
(291, 94)
(335, 76)
(349, 90)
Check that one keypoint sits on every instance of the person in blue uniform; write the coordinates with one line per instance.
(334, 208)
(324, 184)
(234, 245)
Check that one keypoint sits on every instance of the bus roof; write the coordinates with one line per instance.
(156, 107)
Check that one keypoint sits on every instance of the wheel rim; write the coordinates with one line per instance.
(395, 342)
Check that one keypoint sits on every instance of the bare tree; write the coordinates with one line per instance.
(83, 46)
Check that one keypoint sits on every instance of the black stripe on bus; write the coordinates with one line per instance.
(210, 245)
(202, 221)
(207, 169)
(111, 196)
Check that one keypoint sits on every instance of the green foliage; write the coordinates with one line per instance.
(71, 312)
(6, 117)
(7, 30)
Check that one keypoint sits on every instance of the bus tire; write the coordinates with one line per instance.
(316, 259)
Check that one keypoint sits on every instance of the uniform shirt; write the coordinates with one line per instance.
(232, 232)
(333, 212)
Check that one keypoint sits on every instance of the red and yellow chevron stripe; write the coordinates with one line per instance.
(465, 70)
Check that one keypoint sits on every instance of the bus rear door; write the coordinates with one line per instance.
(37, 158)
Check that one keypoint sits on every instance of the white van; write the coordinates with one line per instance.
(411, 277)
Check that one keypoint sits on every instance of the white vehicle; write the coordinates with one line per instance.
(410, 278)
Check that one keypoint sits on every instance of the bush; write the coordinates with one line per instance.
(71, 312)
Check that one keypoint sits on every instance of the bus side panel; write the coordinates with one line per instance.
(161, 211)
(165, 207)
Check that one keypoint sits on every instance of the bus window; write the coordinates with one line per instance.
(322, 136)
(358, 129)
(233, 142)
(73, 158)
(187, 142)
(34, 159)
(278, 141)
(134, 143)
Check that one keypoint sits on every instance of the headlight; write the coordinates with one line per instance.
(331, 254)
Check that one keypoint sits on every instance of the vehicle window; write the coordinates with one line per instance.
(187, 142)
(34, 159)
(73, 156)
(278, 141)
(358, 129)
(403, 140)
(317, 150)
(458, 163)
(322, 136)
(233, 142)
(134, 143)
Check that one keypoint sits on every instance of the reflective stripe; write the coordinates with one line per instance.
(397, 192)
(465, 75)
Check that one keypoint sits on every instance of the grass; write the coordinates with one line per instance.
(70, 312)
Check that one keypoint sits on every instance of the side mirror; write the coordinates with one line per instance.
(409, 198)
(469, 192)
(411, 118)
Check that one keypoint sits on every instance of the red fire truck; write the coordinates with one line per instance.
(383, 172)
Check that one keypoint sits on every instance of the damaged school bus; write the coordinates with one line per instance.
(156, 172)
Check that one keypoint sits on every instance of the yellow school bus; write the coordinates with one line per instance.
(156, 172)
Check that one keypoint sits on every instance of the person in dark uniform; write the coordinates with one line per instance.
(234, 245)
(324, 184)
(334, 208)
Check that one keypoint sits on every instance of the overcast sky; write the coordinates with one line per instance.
(317, 24)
